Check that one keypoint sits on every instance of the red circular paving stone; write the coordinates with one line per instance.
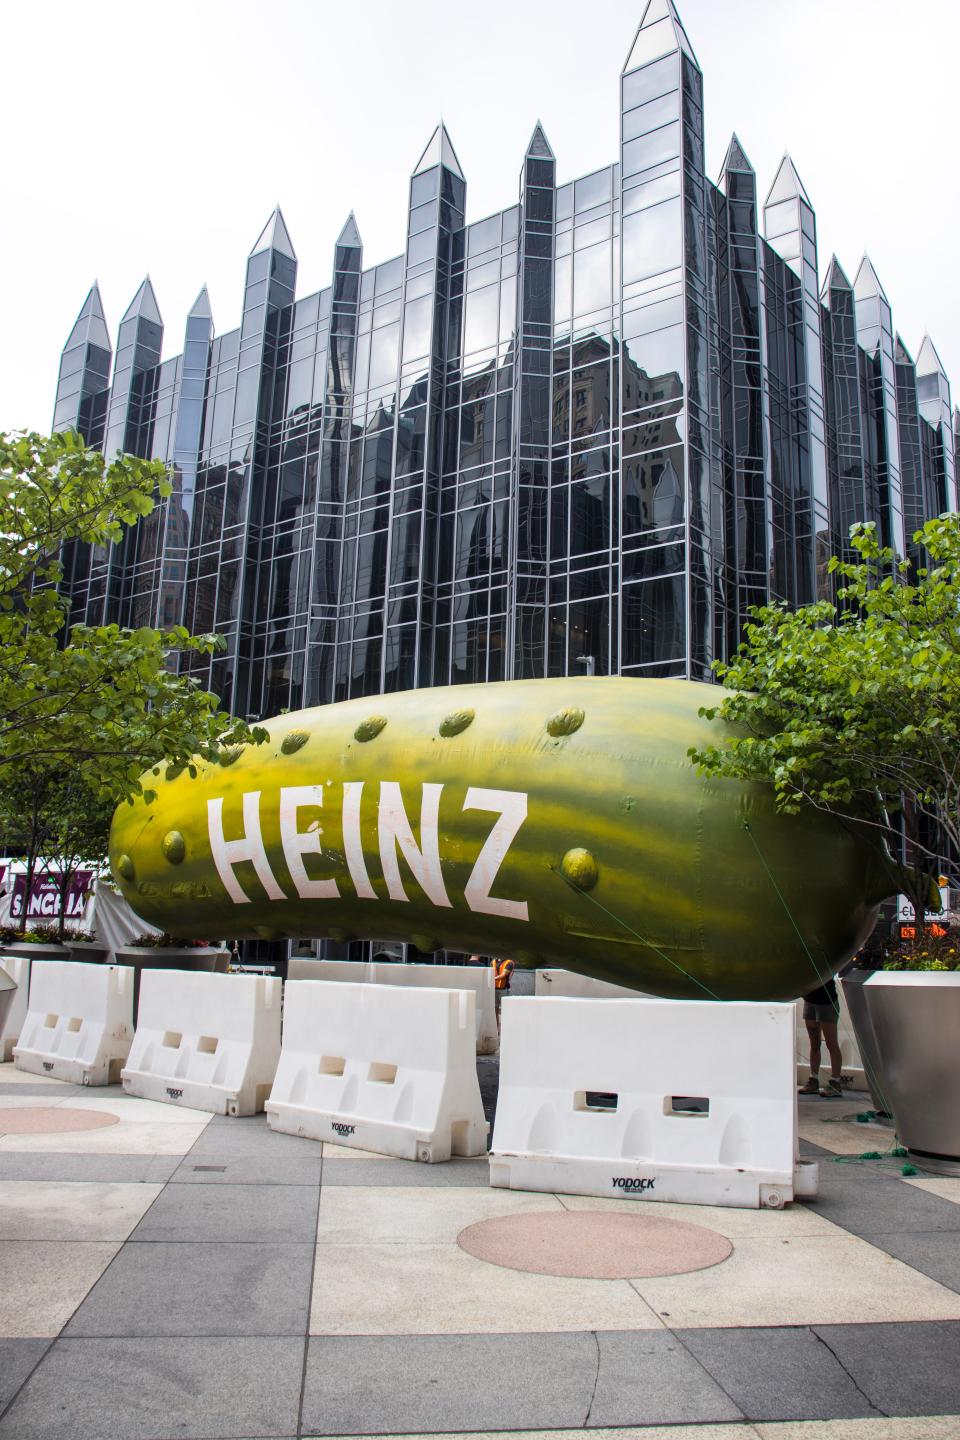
(594, 1244)
(51, 1119)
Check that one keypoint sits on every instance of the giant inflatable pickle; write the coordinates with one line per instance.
(557, 821)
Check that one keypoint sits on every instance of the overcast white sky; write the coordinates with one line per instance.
(157, 138)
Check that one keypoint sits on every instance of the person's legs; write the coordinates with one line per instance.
(814, 1035)
(830, 1039)
(812, 1086)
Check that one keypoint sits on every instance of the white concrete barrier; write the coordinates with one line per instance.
(79, 1022)
(478, 978)
(849, 1049)
(211, 1042)
(356, 971)
(680, 1100)
(18, 968)
(380, 1068)
(581, 987)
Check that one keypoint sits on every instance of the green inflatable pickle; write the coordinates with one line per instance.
(557, 821)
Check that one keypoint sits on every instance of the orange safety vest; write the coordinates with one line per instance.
(502, 970)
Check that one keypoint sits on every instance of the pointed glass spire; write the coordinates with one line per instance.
(350, 235)
(200, 309)
(928, 361)
(439, 151)
(867, 285)
(787, 185)
(660, 31)
(143, 306)
(736, 158)
(90, 326)
(900, 352)
(539, 147)
(275, 236)
(835, 279)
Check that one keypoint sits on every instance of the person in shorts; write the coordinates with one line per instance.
(821, 1009)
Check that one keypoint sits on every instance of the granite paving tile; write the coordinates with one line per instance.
(35, 1086)
(216, 1169)
(903, 1369)
(418, 1289)
(803, 1280)
(17, 1359)
(136, 1389)
(778, 1374)
(455, 1173)
(946, 1186)
(10, 1075)
(332, 1151)
(44, 1281)
(200, 1288)
(147, 1137)
(242, 1140)
(137, 1111)
(419, 1384)
(416, 1214)
(882, 1207)
(841, 1135)
(729, 1220)
(650, 1378)
(21, 1099)
(935, 1253)
(942, 1427)
(152, 1169)
(268, 1213)
(37, 1210)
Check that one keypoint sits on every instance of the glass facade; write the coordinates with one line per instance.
(581, 435)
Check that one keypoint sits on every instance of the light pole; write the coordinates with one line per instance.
(588, 661)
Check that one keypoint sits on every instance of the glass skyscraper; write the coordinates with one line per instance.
(583, 434)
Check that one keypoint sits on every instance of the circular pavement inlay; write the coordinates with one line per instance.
(594, 1244)
(51, 1119)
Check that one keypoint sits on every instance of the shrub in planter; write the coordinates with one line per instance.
(163, 942)
(929, 952)
(42, 941)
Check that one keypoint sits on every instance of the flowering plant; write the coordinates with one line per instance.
(928, 952)
(154, 941)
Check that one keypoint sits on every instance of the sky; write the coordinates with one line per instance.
(157, 139)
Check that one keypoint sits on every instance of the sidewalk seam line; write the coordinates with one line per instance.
(859, 1389)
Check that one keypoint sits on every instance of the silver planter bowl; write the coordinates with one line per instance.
(915, 1017)
(853, 994)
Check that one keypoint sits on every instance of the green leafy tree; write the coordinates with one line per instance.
(101, 704)
(57, 826)
(854, 708)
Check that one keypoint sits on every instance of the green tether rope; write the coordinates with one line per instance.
(630, 930)
(789, 912)
(896, 1151)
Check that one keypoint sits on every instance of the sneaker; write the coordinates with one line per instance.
(812, 1087)
(833, 1089)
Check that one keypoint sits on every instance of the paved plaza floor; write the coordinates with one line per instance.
(176, 1274)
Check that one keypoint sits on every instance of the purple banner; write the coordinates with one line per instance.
(44, 901)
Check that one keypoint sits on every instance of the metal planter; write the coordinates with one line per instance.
(853, 994)
(8, 990)
(915, 1017)
(167, 957)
